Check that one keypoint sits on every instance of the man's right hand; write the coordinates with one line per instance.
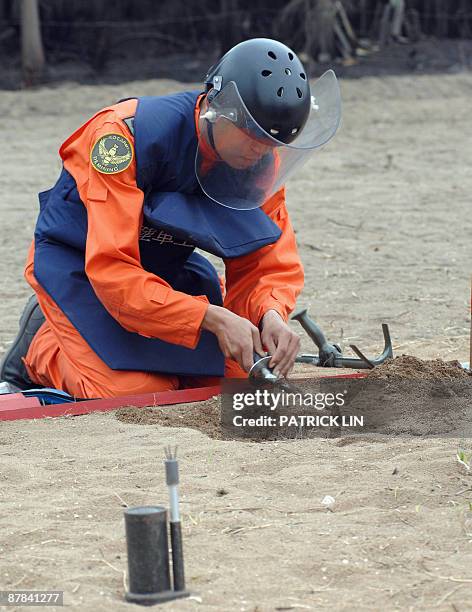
(238, 338)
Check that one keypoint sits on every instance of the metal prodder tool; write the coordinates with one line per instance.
(172, 481)
(148, 546)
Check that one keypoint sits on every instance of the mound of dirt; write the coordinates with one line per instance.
(411, 396)
(407, 367)
(204, 416)
(404, 396)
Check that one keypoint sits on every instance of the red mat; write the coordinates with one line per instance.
(16, 406)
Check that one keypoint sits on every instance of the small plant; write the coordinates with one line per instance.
(463, 459)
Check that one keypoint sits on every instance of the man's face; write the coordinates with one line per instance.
(236, 147)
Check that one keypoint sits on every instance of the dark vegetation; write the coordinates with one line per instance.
(44, 40)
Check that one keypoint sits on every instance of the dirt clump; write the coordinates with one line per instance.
(407, 367)
(411, 396)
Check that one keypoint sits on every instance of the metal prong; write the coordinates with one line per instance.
(170, 455)
(362, 356)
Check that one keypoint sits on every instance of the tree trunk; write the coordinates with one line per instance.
(32, 53)
(385, 31)
(324, 15)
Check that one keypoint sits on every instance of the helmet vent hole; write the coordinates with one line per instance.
(299, 92)
(266, 73)
(288, 72)
(272, 55)
(290, 56)
(302, 74)
(280, 92)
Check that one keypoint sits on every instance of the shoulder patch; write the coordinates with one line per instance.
(112, 153)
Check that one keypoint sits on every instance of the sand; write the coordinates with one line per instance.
(383, 229)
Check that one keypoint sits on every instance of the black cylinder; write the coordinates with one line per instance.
(148, 551)
(177, 556)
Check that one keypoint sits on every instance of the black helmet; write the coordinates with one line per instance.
(272, 83)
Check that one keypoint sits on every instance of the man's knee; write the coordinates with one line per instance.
(117, 383)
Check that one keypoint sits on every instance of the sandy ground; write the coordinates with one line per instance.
(384, 235)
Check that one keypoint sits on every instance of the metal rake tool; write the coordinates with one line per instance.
(330, 355)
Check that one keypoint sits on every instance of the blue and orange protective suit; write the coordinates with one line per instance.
(114, 267)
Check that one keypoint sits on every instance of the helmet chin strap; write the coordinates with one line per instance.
(210, 117)
(211, 138)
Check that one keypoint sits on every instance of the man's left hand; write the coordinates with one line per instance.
(281, 342)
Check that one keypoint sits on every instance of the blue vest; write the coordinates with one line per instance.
(177, 217)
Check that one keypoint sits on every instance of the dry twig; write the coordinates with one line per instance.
(121, 499)
(451, 578)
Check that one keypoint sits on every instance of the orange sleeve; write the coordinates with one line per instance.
(139, 300)
(270, 278)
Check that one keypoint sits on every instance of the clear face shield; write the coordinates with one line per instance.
(240, 165)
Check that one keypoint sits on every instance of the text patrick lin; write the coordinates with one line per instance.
(299, 420)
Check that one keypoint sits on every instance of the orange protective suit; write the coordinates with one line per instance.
(270, 278)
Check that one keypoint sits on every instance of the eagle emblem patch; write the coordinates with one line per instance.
(111, 153)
